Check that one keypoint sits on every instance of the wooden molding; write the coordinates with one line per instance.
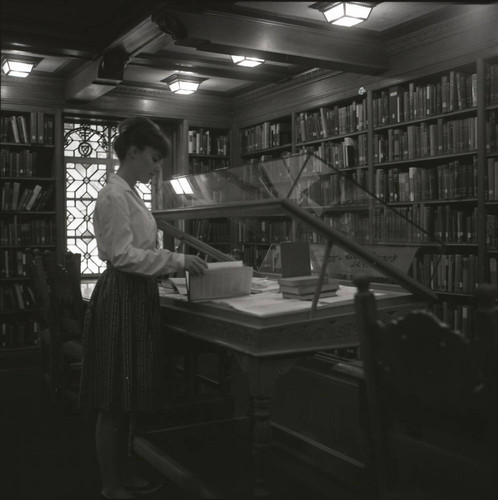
(478, 20)
(38, 91)
(272, 89)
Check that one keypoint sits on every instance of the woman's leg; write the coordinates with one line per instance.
(110, 438)
(128, 470)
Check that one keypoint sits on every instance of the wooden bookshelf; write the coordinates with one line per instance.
(28, 197)
(270, 139)
(209, 149)
(490, 237)
(428, 147)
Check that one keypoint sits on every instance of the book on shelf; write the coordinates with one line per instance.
(19, 296)
(34, 195)
(5, 271)
(35, 128)
(23, 199)
(33, 131)
(22, 127)
(493, 270)
(28, 296)
(40, 127)
(395, 104)
(6, 193)
(17, 129)
(349, 146)
(220, 280)
(48, 129)
(492, 179)
(14, 130)
(492, 230)
(43, 201)
(16, 187)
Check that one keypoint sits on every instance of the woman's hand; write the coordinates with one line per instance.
(195, 265)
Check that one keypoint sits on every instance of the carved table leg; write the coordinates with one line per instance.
(262, 374)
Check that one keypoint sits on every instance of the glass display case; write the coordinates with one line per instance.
(301, 197)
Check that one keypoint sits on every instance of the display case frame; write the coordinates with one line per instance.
(284, 188)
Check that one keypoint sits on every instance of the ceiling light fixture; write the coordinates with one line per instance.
(249, 62)
(183, 84)
(344, 13)
(18, 67)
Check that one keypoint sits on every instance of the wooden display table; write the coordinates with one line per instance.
(267, 338)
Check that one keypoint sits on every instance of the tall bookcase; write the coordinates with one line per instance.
(426, 164)
(490, 197)
(427, 146)
(28, 187)
(264, 141)
(209, 150)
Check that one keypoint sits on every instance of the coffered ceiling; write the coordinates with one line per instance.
(95, 46)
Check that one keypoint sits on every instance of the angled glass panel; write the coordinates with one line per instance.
(303, 198)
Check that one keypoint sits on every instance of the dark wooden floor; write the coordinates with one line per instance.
(46, 453)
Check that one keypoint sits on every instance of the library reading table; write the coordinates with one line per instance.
(267, 335)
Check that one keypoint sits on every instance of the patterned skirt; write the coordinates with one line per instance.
(121, 345)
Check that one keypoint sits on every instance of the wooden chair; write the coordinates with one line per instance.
(431, 399)
(67, 305)
(49, 352)
(58, 294)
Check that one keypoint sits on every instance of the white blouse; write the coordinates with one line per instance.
(126, 232)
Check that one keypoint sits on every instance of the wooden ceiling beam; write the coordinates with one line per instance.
(103, 74)
(93, 81)
(43, 45)
(335, 48)
(178, 62)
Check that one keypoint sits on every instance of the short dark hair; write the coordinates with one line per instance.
(140, 132)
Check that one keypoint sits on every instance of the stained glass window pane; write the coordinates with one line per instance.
(89, 157)
(87, 139)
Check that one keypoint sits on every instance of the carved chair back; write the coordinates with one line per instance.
(430, 396)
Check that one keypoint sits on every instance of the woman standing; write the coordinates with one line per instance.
(121, 363)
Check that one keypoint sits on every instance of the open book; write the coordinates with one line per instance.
(220, 280)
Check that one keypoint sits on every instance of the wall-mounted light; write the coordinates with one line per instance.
(183, 84)
(13, 66)
(249, 62)
(181, 185)
(344, 13)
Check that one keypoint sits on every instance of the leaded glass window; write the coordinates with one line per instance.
(88, 158)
